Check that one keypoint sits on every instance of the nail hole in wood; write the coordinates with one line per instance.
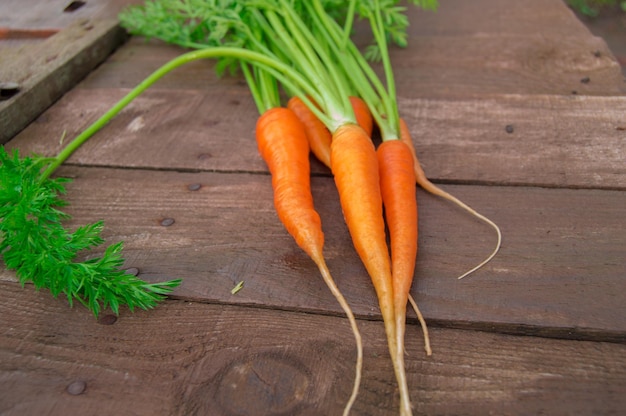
(74, 5)
(8, 90)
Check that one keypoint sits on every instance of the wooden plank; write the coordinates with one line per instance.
(46, 70)
(536, 47)
(562, 141)
(193, 358)
(56, 14)
(462, 49)
(559, 273)
(496, 17)
(450, 67)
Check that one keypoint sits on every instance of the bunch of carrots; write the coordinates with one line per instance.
(303, 49)
(336, 98)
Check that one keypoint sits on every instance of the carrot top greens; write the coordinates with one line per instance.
(36, 245)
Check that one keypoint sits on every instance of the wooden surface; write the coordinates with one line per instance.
(46, 48)
(540, 330)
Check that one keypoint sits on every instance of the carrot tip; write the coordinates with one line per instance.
(422, 322)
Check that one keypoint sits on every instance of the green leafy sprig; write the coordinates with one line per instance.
(36, 245)
(197, 24)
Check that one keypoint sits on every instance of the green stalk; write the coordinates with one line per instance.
(347, 27)
(275, 67)
(357, 70)
(308, 55)
(379, 34)
(255, 91)
(330, 92)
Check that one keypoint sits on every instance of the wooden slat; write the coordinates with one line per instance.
(281, 345)
(559, 273)
(46, 70)
(536, 47)
(451, 67)
(562, 141)
(55, 14)
(191, 358)
(492, 17)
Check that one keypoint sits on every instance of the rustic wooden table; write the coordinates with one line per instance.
(539, 330)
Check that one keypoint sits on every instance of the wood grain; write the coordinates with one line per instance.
(451, 67)
(189, 358)
(552, 141)
(46, 70)
(556, 141)
(538, 47)
(177, 177)
(560, 271)
(55, 14)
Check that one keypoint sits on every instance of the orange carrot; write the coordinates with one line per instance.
(355, 168)
(363, 114)
(397, 185)
(422, 180)
(282, 143)
(318, 134)
(284, 147)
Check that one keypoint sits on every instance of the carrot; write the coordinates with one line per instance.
(355, 168)
(318, 134)
(282, 143)
(284, 147)
(424, 182)
(397, 185)
(363, 114)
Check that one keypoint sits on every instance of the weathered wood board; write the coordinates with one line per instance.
(559, 272)
(47, 47)
(557, 141)
(44, 71)
(197, 359)
(537, 47)
(554, 183)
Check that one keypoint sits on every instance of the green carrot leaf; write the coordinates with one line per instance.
(35, 243)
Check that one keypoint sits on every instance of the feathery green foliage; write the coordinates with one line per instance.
(36, 245)
(208, 23)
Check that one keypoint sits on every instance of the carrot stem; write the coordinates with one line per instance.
(278, 69)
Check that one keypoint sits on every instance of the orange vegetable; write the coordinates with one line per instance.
(284, 147)
(422, 180)
(318, 134)
(355, 168)
(397, 185)
(363, 114)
